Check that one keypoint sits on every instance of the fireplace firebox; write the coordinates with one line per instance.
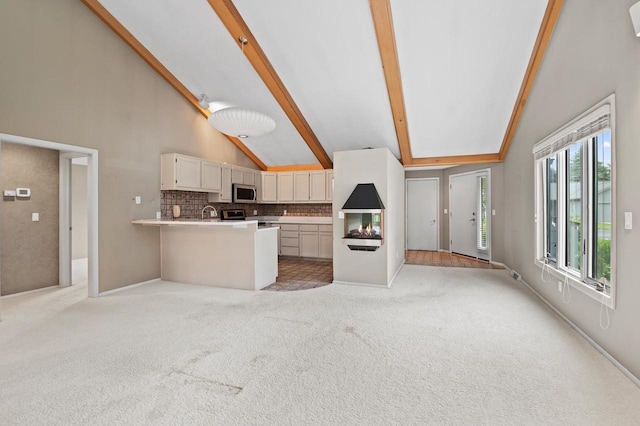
(363, 219)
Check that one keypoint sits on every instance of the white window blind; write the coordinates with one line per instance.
(582, 128)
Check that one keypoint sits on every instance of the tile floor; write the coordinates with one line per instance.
(435, 258)
(298, 274)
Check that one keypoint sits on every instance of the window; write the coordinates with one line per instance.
(481, 224)
(574, 209)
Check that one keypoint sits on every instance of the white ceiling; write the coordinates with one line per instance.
(462, 64)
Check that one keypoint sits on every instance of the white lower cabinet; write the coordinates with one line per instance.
(325, 241)
(289, 240)
(309, 241)
(306, 240)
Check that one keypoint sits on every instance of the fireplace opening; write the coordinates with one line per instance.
(363, 219)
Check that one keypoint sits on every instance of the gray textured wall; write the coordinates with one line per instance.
(593, 53)
(73, 81)
(30, 249)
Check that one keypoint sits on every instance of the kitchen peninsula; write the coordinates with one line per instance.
(217, 253)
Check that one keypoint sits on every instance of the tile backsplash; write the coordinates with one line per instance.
(192, 203)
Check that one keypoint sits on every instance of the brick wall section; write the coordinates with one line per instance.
(191, 204)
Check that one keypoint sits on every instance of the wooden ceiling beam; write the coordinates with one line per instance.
(383, 23)
(454, 160)
(544, 36)
(237, 27)
(115, 25)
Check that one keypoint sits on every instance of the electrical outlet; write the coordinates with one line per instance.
(445, 211)
(138, 199)
(560, 286)
(35, 217)
(158, 215)
(255, 212)
(284, 213)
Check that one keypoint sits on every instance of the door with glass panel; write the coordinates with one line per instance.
(469, 219)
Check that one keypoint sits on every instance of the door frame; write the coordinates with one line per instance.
(66, 153)
(406, 210)
(489, 209)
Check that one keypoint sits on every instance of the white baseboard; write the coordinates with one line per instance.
(359, 284)
(22, 293)
(396, 274)
(584, 335)
(444, 251)
(127, 287)
(498, 264)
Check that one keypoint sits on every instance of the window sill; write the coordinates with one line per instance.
(599, 296)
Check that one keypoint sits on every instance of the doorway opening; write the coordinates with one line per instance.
(66, 154)
(469, 214)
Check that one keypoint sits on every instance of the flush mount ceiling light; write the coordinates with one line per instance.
(237, 121)
(635, 17)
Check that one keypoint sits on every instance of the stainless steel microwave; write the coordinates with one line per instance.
(244, 193)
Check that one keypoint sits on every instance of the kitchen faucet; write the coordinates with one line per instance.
(215, 212)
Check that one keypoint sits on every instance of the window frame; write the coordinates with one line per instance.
(581, 279)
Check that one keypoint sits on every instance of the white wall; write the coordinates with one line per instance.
(380, 167)
(593, 53)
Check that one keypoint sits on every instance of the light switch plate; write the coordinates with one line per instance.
(158, 215)
(138, 199)
(9, 193)
(35, 217)
(628, 220)
(446, 211)
(493, 212)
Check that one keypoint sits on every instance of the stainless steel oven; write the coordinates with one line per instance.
(244, 193)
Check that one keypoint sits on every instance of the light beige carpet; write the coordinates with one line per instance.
(443, 346)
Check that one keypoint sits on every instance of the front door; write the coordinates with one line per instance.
(469, 221)
(422, 214)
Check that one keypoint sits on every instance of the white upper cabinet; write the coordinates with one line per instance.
(248, 177)
(285, 187)
(237, 175)
(211, 176)
(301, 186)
(179, 172)
(329, 186)
(225, 193)
(269, 187)
(184, 173)
(317, 185)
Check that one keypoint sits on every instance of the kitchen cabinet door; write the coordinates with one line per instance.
(249, 177)
(317, 185)
(285, 187)
(325, 245)
(301, 186)
(225, 193)
(329, 185)
(211, 176)
(269, 187)
(237, 175)
(179, 172)
(308, 244)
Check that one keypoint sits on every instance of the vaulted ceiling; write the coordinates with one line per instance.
(436, 82)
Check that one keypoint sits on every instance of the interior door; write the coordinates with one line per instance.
(422, 214)
(468, 225)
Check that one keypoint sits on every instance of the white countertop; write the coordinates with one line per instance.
(312, 220)
(320, 220)
(196, 222)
